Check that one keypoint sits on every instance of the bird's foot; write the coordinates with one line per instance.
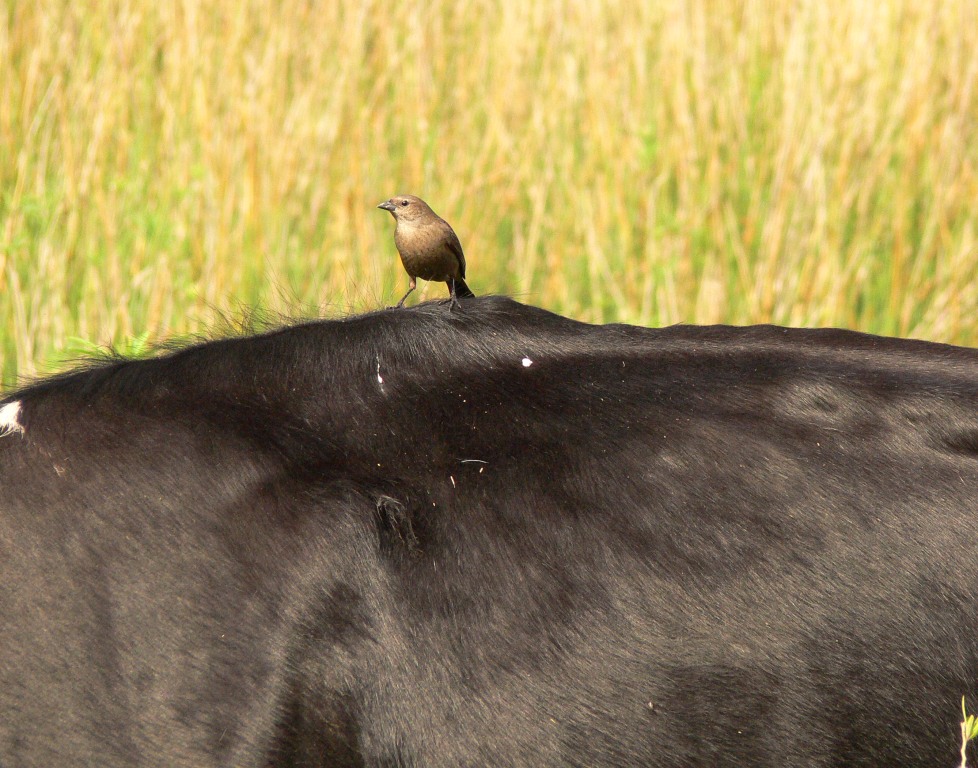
(452, 303)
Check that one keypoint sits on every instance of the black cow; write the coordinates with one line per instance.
(493, 537)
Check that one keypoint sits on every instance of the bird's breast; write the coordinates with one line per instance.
(425, 253)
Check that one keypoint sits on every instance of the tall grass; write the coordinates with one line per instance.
(811, 162)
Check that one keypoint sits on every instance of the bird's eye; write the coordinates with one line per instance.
(405, 202)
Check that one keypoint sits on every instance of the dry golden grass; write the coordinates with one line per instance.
(810, 163)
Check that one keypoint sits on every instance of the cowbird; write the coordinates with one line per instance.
(428, 246)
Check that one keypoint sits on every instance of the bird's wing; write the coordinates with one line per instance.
(456, 248)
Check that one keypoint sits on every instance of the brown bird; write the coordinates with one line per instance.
(428, 246)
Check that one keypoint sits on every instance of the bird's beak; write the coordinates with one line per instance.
(387, 205)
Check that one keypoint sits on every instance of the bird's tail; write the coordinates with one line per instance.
(462, 290)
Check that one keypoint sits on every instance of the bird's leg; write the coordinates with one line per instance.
(453, 299)
(414, 284)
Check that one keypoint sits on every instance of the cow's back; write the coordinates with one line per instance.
(493, 537)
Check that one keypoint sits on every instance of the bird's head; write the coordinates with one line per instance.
(406, 207)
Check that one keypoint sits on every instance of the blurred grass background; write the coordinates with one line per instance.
(164, 162)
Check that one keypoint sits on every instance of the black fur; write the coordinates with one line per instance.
(387, 541)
